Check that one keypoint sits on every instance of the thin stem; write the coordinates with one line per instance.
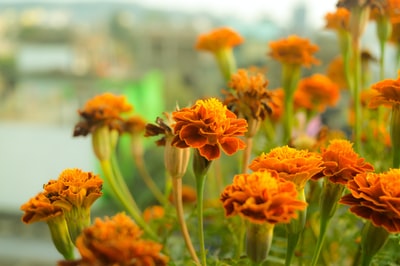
(247, 154)
(177, 190)
(148, 180)
(129, 206)
(356, 96)
(200, 182)
(294, 230)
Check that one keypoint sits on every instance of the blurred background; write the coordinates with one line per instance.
(54, 55)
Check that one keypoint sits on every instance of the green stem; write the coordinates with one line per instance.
(294, 230)
(200, 182)
(140, 164)
(242, 234)
(373, 239)
(291, 76)
(395, 134)
(356, 96)
(330, 196)
(177, 190)
(118, 192)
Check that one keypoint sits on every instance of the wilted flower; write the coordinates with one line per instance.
(341, 162)
(208, 126)
(376, 197)
(102, 110)
(117, 241)
(294, 51)
(262, 197)
(315, 93)
(291, 164)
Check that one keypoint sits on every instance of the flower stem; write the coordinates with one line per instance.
(149, 181)
(258, 240)
(373, 239)
(120, 194)
(330, 196)
(356, 96)
(200, 182)
(247, 154)
(294, 230)
(177, 190)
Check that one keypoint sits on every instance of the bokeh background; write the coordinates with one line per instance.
(54, 55)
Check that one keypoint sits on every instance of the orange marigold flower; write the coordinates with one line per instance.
(251, 98)
(208, 126)
(390, 9)
(376, 197)
(104, 109)
(39, 208)
(341, 162)
(294, 51)
(335, 72)
(74, 188)
(291, 164)
(338, 20)
(117, 241)
(135, 125)
(218, 39)
(315, 93)
(388, 93)
(262, 197)
(367, 95)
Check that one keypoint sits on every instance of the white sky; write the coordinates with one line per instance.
(279, 10)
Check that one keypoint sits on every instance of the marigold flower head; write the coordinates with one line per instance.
(39, 208)
(291, 164)
(218, 39)
(208, 126)
(104, 109)
(251, 98)
(341, 162)
(153, 213)
(389, 9)
(135, 125)
(376, 197)
(294, 51)
(117, 241)
(74, 188)
(315, 93)
(388, 93)
(262, 197)
(338, 20)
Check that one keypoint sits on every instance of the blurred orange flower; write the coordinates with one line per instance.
(74, 188)
(104, 109)
(388, 93)
(39, 208)
(335, 72)
(390, 9)
(251, 98)
(117, 241)
(294, 51)
(277, 106)
(315, 93)
(376, 197)
(135, 125)
(208, 126)
(341, 162)
(338, 20)
(218, 39)
(153, 213)
(262, 197)
(366, 96)
(188, 195)
(291, 164)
